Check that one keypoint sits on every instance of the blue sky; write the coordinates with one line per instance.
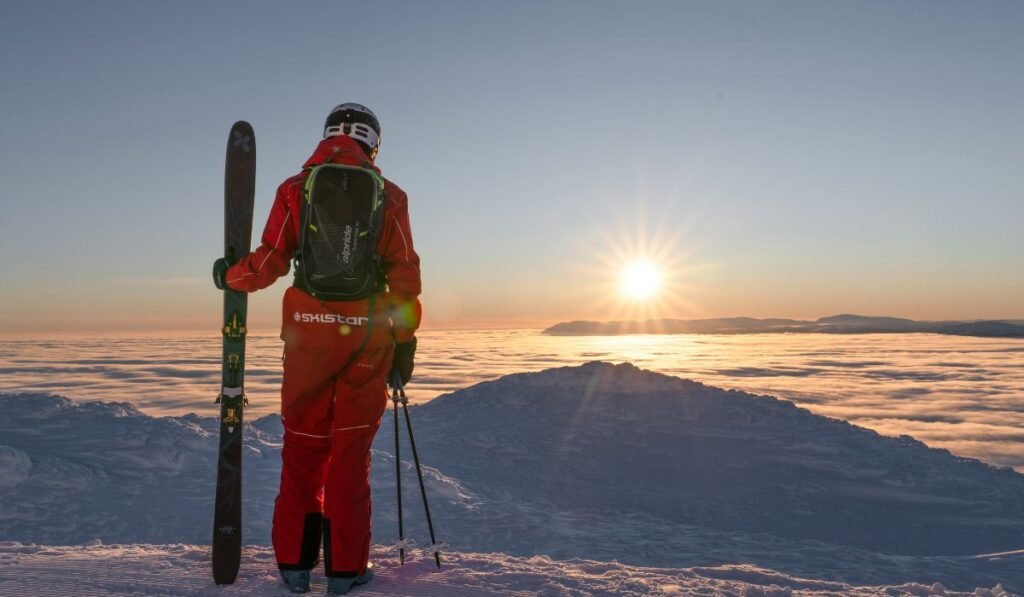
(788, 158)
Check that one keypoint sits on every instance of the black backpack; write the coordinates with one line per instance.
(342, 216)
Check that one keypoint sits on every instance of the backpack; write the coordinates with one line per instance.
(342, 216)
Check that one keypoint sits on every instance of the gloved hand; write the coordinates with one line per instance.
(220, 271)
(405, 352)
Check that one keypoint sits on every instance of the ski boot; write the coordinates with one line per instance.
(297, 580)
(341, 585)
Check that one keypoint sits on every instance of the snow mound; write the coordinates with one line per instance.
(616, 438)
(185, 570)
(73, 472)
(601, 462)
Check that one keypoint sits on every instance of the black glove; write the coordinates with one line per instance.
(403, 362)
(220, 270)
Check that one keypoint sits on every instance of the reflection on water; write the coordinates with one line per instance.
(963, 394)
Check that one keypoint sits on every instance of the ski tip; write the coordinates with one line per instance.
(241, 130)
(242, 137)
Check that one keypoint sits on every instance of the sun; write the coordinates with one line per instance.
(641, 271)
(640, 280)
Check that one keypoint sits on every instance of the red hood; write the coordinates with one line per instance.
(340, 150)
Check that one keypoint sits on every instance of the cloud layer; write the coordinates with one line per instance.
(962, 394)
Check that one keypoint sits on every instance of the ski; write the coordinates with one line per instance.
(239, 189)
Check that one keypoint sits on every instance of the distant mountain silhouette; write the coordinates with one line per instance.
(835, 324)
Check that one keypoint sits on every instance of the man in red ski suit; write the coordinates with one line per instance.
(334, 391)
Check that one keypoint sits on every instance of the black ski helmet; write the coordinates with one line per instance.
(356, 121)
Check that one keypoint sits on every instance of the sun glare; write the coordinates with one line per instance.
(639, 271)
(640, 281)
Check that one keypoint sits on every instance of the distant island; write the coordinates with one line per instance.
(836, 324)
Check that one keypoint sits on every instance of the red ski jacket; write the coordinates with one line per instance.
(272, 258)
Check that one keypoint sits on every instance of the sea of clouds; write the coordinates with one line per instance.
(959, 393)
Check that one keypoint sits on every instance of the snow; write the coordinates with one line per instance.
(608, 470)
(184, 570)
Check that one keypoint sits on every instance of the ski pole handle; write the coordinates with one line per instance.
(397, 389)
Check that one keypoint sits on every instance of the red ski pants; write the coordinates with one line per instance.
(332, 400)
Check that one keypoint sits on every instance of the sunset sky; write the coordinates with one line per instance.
(783, 159)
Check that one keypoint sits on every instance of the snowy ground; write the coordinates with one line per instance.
(597, 462)
(184, 570)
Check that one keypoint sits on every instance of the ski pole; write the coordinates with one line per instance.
(419, 471)
(398, 473)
